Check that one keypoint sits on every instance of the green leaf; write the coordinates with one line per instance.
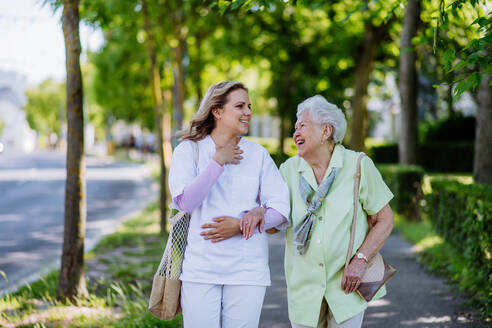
(482, 21)
(449, 57)
(483, 62)
(436, 86)
(472, 58)
(459, 65)
(236, 4)
(471, 82)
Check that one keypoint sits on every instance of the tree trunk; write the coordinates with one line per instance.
(482, 167)
(363, 71)
(71, 282)
(161, 119)
(449, 95)
(285, 126)
(407, 147)
(198, 71)
(179, 85)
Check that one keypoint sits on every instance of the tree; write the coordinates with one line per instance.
(45, 107)
(162, 118)
(71, 282)
(407, 147)
(374, 35)
(482, 168)
(473, 67)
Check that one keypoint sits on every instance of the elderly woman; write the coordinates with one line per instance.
(320, 292)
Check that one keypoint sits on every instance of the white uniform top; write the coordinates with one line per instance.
(256, 180)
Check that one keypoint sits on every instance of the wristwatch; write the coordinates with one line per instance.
(361, 256)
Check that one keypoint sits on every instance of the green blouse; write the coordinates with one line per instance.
(318, 273)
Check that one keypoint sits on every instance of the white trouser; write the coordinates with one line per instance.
(221, 306)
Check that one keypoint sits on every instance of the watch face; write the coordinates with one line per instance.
(359, 255)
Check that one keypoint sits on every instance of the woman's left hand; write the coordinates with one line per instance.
(252, 219)
(352, 276)
(224, 228)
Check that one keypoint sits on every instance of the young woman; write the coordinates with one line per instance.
(224, 282)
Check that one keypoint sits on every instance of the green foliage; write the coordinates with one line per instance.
(452, 129)
(447, 157)
(462, 215)
(384, 153)
(467, 60)
(2, 126)
(405, 181)
(433, 156)
(45, 107)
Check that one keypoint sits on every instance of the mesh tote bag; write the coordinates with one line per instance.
(164, 302)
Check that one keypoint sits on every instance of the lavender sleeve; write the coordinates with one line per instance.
(194, 194)
(273, 219)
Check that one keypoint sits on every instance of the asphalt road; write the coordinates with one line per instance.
(415, 299)
(32, 191)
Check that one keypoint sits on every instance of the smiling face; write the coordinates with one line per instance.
(308, 135)
(235, 115)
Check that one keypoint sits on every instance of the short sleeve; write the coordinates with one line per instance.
(274, 192)
(374, 194)
(183, 170)
(285, 176)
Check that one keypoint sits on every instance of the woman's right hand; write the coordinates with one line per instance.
(252, 219)
(224, 227)
(228, 154)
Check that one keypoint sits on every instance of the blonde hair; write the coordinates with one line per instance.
(203, 121)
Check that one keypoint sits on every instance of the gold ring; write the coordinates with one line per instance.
(354, 282)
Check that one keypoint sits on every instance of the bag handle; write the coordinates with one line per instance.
(194, 145)
(356, 206)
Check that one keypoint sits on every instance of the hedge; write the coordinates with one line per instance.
(447, 157)
(462, 215)
(433, 157)
(405, 181)
(387, 153)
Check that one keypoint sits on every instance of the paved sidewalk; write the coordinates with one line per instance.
(415, 299)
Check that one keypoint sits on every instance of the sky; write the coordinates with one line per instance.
(31, 40)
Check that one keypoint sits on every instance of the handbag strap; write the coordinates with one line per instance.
(194, 145)
(356, 206)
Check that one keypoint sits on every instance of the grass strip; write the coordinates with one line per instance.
(118, 271)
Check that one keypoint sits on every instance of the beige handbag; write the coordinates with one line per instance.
(378, 272)
(165, 297)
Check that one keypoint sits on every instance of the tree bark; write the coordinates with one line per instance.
(71, 282)
(161, 119)
(179, 83)
(198, 71)
(359, 122)
(482, 167)
(408, 84)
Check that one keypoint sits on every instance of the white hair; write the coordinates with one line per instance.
(323, 112)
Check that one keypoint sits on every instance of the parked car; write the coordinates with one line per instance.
(1, 147)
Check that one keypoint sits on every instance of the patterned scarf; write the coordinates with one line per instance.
(302, 233)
